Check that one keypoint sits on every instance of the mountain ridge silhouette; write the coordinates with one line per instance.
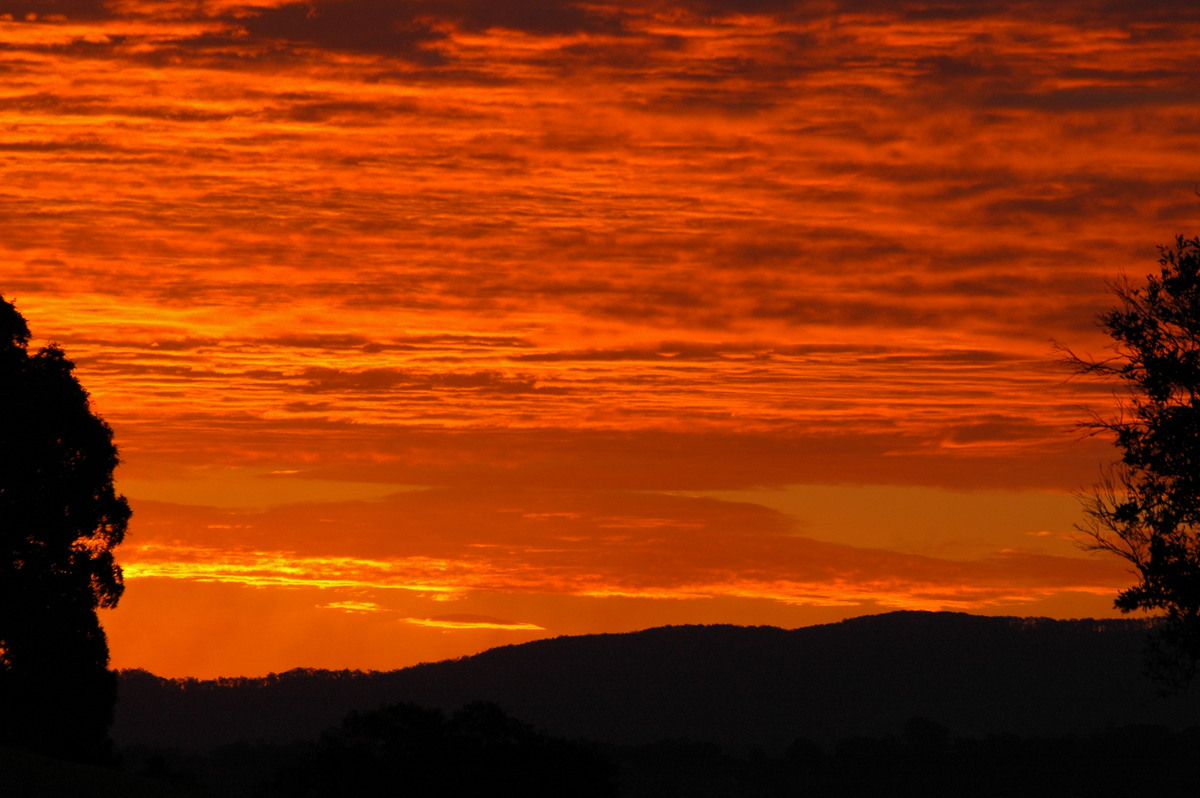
(741, 687)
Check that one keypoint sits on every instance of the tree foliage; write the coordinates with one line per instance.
(1147, 507)
(405, 749)
(59, 521)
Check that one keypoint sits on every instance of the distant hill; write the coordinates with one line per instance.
(739, 687)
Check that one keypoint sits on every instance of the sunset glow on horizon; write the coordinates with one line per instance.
(425, 327)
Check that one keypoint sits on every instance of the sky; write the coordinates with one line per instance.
(425, 327)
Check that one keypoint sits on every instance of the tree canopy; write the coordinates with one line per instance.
(60, 519)
(1147, 507)
(408, 749)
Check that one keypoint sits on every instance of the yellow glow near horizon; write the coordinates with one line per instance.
(468, 623)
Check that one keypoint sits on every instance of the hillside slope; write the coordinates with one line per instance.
(736, 686)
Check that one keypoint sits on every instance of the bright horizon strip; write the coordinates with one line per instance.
(621, 314)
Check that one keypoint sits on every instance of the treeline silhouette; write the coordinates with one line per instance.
(479, 750)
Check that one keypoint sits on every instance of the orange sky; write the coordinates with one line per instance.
(427, 326)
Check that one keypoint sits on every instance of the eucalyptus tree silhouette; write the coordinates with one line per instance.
(1147, 509)
(59, 521)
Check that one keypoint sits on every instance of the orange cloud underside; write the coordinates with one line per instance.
(540, 264)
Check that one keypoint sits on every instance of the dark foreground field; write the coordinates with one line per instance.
(25, 775)
(921, 760)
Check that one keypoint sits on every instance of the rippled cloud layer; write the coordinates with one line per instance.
(564, 252)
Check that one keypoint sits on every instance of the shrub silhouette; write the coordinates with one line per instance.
(59, 521)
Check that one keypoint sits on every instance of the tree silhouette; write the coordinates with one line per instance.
(405, 749)
(1147, 507)
(59, 521)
